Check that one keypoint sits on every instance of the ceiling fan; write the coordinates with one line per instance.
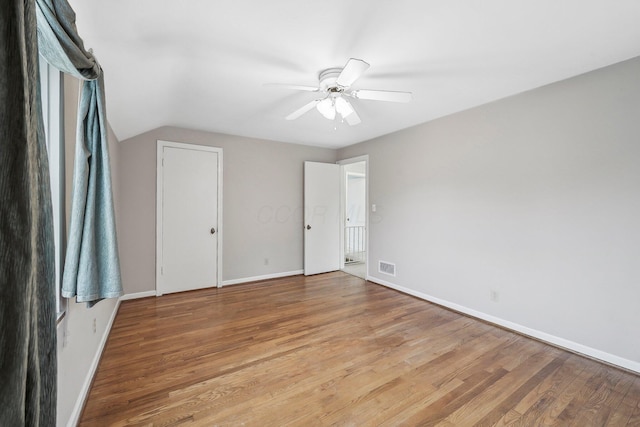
(335, 87)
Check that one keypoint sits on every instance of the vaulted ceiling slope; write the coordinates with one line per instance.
(203, 64)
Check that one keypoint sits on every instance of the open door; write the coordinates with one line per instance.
(322, 217)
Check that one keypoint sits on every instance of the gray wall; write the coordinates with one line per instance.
(535, 197)
(77, 343)
(262, 202)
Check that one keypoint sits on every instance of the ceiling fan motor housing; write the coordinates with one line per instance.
(328, 79)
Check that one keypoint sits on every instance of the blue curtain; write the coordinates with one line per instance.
(27, 292)
(92, 268)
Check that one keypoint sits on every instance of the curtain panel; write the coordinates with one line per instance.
(27, 297)
(92, 267)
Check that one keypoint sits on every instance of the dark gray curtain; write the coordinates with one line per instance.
(92, 266)
(27, 293)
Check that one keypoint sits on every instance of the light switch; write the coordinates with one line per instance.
(373, 208)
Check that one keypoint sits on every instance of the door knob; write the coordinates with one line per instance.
(308, 227)
(213, 230)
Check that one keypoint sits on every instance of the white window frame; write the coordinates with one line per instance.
(52, 94)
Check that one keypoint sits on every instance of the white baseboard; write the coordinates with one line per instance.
(542, 336)
(84, 392)
(264, 277)
(137, 295)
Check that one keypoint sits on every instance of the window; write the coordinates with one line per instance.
(51, 90)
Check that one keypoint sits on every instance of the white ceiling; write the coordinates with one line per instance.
(202, 64)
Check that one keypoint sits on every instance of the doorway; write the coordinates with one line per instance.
(189, 214)
(336, 217)
(354, 202)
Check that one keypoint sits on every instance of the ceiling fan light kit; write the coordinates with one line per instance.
(343, 107)
(335, 84)
(327, 108)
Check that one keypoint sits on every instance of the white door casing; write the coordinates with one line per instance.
(189, 197)
(322, 217)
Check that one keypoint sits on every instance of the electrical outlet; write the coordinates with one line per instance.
(266, 261)
(495, 296)
(94, 325)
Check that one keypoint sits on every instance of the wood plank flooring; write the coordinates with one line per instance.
(335, 350)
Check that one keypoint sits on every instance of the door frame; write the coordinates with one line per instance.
(343, 188)
(159, 204)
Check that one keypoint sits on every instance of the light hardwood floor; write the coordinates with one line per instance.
(335, 350)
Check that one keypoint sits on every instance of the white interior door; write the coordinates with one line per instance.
(188, 230)
(322, 217)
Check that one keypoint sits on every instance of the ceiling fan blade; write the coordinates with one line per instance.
(304, 109)
(294, 87)
(382, 95)
(353, 118)
(351, 72)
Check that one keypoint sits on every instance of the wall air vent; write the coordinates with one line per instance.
(387, 268)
